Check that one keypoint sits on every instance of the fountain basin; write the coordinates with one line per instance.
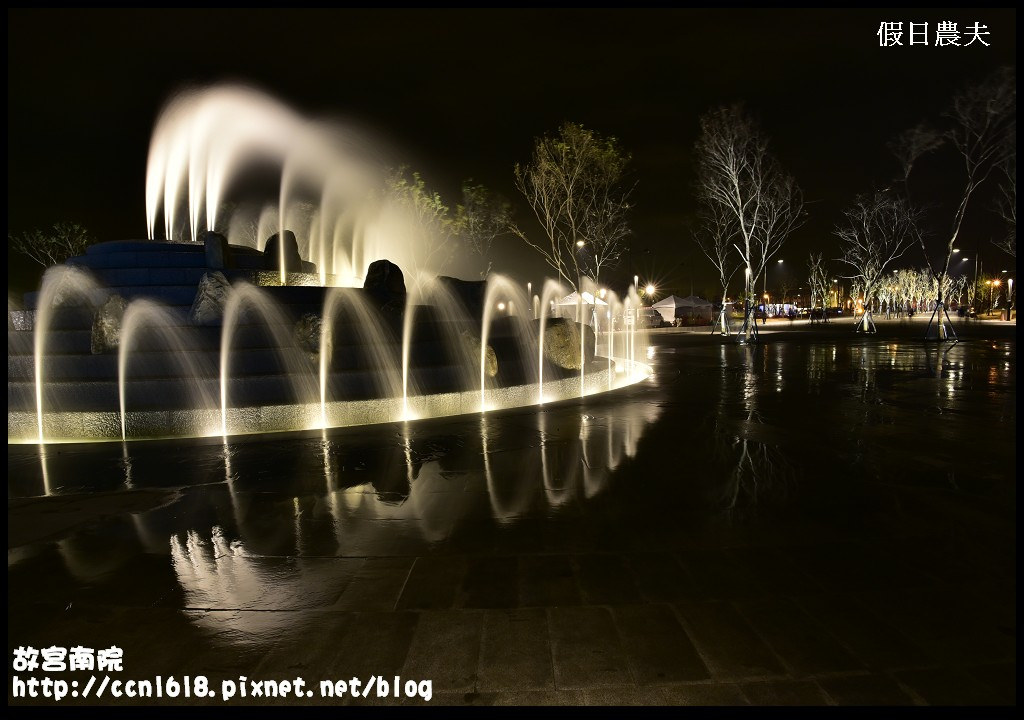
(100, 426)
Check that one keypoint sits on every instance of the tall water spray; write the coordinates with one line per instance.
(62, 286)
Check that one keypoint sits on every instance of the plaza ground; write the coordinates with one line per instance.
(818, 519)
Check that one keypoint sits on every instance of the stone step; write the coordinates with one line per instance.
(139, 260)
(71, 333)
(142, 246)
(163, 259)
(169, 295)
(145, 276)
(183, 394)
(158, 362)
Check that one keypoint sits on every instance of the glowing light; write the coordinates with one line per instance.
(580, 243)
(649, 289)
(501, 306)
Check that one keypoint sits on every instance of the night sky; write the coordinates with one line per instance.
(461, 94)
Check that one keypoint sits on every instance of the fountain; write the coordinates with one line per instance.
(254, 317)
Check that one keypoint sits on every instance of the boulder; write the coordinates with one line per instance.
(106, 325)
(562, 343)
(218, 253)
(385, 284)
(211, 297)
(272, 253)
(308, 332)
(468, 292)
(472, 345)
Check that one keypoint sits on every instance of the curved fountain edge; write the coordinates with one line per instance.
(79, 427)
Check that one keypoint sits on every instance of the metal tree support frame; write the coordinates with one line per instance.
(723, 325)
(943, 330)
(748, 333)
(866, 324)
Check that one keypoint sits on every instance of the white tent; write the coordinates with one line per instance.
(569, 307)
(574, 298)
(692, 307)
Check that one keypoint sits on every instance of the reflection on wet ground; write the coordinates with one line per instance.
(794, 522)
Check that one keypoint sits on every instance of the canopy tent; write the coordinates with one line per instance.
(691, 307)
(574, 298)
(569, 307)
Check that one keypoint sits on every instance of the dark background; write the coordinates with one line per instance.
(460, 93)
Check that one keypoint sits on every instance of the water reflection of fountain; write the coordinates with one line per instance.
(232, 546)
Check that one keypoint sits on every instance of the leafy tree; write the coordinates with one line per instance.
(480, 219)
(430, 218)
(53, 246)
(574, 184)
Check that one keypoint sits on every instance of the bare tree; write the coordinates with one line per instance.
(480, 219)
(736, 172)
(53, 246)
(982, 122)
(818, 282)
(957, 287)
(885, 291)
(714, 237)
(1007, 205)
(911, 145)
(574, 185)
(787, 290)
(877, 232)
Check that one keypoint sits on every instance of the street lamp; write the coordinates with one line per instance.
(777, 262)
(992, 285)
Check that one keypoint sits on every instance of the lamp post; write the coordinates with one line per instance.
(992, 285)
(777, 262)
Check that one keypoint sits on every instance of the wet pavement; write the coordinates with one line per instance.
(824, 521)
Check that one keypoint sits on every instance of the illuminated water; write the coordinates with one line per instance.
(861, 488)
